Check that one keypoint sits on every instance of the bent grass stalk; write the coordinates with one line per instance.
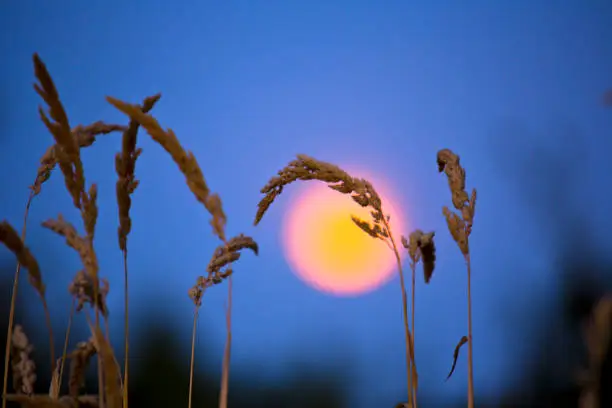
(363, 193)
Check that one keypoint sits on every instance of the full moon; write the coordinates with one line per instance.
(328, 251)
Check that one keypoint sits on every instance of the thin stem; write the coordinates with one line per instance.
(228, 348)
(470, 355)
(410, 366)
(193, 337)
(413, 268)
(65, 350)
(9, 332)
(96, 290)
(126, 331)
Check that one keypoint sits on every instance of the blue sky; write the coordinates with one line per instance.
(376, 85)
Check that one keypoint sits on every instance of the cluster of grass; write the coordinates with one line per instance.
(88, 289)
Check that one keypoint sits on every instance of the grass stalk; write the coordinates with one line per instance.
(410, 367)
(470, 355)
(126, 332)
(65, 349)
(192, 362)
(9, 332)
(228, 348)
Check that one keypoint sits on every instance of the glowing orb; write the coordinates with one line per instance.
(328, 251)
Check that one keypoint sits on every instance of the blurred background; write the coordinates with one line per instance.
(516, 88)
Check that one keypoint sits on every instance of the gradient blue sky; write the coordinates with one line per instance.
(374, 85)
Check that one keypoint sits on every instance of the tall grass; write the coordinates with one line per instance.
(88, 289)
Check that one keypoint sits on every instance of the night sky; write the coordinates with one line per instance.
(377, 86)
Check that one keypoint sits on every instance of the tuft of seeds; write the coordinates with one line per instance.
(421, 247)
(82, 288)
(226, 254)
(10, 238)
(66, 149)
(219, 267)
(125, 165)
(460, 227)
(24, 369)
(307, 168)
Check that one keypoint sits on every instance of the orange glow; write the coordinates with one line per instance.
(328, 251)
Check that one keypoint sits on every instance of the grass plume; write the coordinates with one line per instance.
(460, 227)
(420, 247)
(125, 165)
(363, 193)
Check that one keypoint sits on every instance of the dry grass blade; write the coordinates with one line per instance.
(112, 378)
(463, 340)
(54, 387)
(67, 148)
(185, 160)
(10, 238)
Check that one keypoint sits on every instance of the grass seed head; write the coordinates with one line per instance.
(67, 149)
(307, 168)
(10, 238)
(421, 247)
(219, 265)
(125, 165)
(82, 288)
(85, 137)
(82, 245)
(24, 369)
(460, 227)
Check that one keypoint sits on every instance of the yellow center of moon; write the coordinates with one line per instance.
(328, 251)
